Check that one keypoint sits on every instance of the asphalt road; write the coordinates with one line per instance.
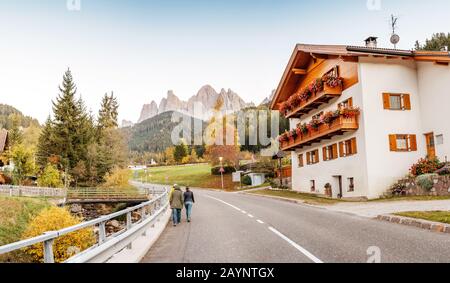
(237, 228)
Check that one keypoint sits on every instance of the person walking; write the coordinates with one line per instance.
(176, 204)
(188, 203)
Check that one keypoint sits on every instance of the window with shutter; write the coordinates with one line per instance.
(396, 101)
(348, 147)
(341, 149)
(300, 160)
(403, 143)
(325, 154)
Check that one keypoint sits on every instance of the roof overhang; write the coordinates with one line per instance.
(303, 53)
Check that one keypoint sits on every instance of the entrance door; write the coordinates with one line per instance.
(431, 149)
(339, 193)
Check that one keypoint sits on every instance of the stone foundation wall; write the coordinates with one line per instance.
(441, 187)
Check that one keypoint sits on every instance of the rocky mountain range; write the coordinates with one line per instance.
(200, 106)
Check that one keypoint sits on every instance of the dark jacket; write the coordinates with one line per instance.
(189, 197)
(177, 199)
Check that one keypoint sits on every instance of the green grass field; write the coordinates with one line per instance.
(436, 216)
(198, 175)
(15, 214)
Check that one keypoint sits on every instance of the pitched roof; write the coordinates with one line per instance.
(304, 52)
(3, 139)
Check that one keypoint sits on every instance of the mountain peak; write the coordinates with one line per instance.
(206, 97)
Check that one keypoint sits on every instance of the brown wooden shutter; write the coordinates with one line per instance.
(350, 102)
(386, 101)
(341, 149)
(354, 146)
(393, 142)
(407, 101)
(308, 158)
(335, 151)
(317, 157)
(325, 156)
(413, 142)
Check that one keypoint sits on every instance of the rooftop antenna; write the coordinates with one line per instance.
(395, 38)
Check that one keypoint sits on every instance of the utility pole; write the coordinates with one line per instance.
(221, 170)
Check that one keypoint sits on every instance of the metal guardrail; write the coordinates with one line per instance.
(23, 191)
(106, 194)
(106, 246)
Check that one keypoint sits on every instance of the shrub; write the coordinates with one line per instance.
(228, 170)
(444, 171)
(398, 189)
(426, 181)
(426, 166)
(53, 219)
(5, 180)
(117, 179)
(50, 177)
(246, 180)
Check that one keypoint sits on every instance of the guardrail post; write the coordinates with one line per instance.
(129, 222)
(102, 233)
(48, 252)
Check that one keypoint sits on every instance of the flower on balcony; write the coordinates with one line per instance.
(294, 101)
(328, 118)
(303, 128)
(332, 81)
(350, 112)
(293, 134)
(284, 137)
(314, 87)
(314, 124)
(284, 108)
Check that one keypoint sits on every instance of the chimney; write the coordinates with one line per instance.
(371, 42)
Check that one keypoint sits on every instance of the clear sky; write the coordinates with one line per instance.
(140, 49)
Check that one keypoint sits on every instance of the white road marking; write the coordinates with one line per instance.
(251, 216)
(275, 231)
(295, 245)
(229, 204)
(243, 211)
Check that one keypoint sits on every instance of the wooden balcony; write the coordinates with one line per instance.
(325, 132)
(315, 101)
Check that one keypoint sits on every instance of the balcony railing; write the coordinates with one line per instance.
(315, 101)
(325, 131)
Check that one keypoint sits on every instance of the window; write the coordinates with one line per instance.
(300, 160)
(312, 157)
(330, 152)
(403, 143)
(313, 185)
(347, 103)
(351, 184)
(439, 139)
(348, 148)
(396, 101)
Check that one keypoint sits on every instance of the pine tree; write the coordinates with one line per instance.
(45, 148)
(15, 134)
(109, 113)
(181, 151)
(436, 43)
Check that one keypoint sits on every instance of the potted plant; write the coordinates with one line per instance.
(332, 84)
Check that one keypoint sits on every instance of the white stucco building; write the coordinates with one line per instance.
(403, 99)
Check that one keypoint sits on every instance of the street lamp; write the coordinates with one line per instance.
(221, 170)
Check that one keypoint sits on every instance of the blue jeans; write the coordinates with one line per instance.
(176, 216)
(188, 206)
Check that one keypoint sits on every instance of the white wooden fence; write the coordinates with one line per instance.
(20, 191)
